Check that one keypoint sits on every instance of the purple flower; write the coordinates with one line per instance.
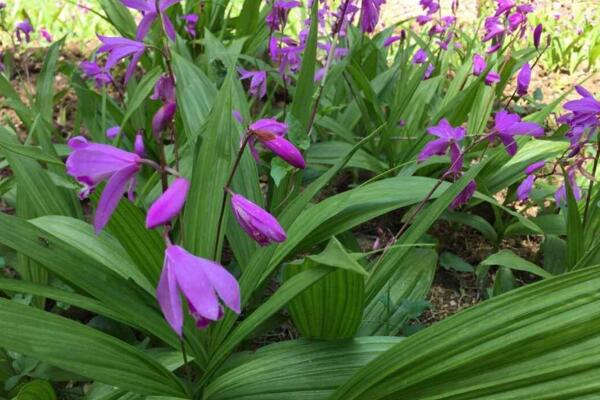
(537, 35)
(24, 28)
(113, 132)
(94, 71)
(430, 6)
(509, 125)
(491, 78)
(464, 196)
(164, 89)
(523, 79)
(584, 116)
(258, 82)
(163, 118)
(493, 28)
(138, 145)
(169, 204)
(119, 48)
(391, 40)
(279, 13)
(420, 57)
(560, 196)
(526, 186)
(202, 282)
(515, 21)
(369, 14)
(493, 48)
(428, 71)
(151, 10)
(190, 20)
(2, 5)
(423, 19)
(92, 163)
(270, 133)
(259, 224)
(46, 35)
(479, 64)
(449, 140)
(504, 7)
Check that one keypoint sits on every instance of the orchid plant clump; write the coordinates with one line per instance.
(234, 161)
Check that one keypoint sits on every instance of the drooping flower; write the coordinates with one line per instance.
(537, 35)
(94, 71)
(203, 283)
(152, 9)
(420, 57)
(118, 48)
(24, 27)
(279, 13)
(524, 189)
(46, 35)
(507, 126)
(493, 28)
(464, 196)
(504, 7)
(583, 118)
(449, 141)
(560, 196)
(491, 78)
(169, 204)
(479, 64)
(258, 82)
(92, 163)
(164, 89)
(138, 145)
(113, 132)
(428, 71)
(258, 223)
(391, 40)
(190, 20)
(163, 118)
(430, 6)
(369, 14)
(271, 134)
(515, 21)
(523, 79)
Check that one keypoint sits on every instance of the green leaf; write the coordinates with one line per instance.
(34, 153)
(295, 370)
(141, 92)
(575, 238)
(508, 259)
(85, 351)
(504, 281)
(336, 256)
(555, 254)
(536, 342)
(452, 261)
(36, 390)
(474, 221)
(44, 90)
(119, 17)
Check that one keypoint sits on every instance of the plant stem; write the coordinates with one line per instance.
(588, 198)
(225, 192)
(186, 365)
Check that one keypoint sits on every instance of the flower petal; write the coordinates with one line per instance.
(224, 283)
(169, 298)
(112, 194)
(169, 204)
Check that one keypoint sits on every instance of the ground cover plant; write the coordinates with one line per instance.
(257, 199)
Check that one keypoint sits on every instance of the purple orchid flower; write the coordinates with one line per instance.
(449, 141)
(151, 9)
(423, 19)
(92, 163)
(430, 6)
(537, 35)
(190, 20)
(479, 64)
(279, 13)
(169, 204)
(493, 28)
(507, 126)
(504, 7)
(113, 132)
(369, 14)
(584, 117)
(164, 89)
(119, 48)
(525, 188)
(270, 133)
(420, 57)
(493, 48)
(163, 118)
(46, 35)
(202, 282)
(259, 224)
(391, 40)
(2, 5)
(515, 21)
(428, 71)
(560, 196)
(464, 196)
(523, 79)
(258, 82)
(492, 78)
(138, 145)
(24, 28)
(94, 71)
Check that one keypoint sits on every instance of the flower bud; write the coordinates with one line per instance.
(169, 204)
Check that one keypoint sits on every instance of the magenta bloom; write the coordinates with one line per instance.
(94, 71)
(270, 133)
(523, 79)
(491, 78)
(24, 28)
(2, 5)
(561, 194)
(202, 282)
(430, 6)
(423, 19)
(507, 126)
(279, 13)
(479, 64)
(428, 71)
(150, 11)
(163, 118)
(504, 7)
(537, 35)
(92, 163)
(46, 35)
(493, 28)
(164, 89)
(449, 140)
(138, 145)
(391, 40)
(584, 116)
(258, 82)
(369, 14)
(515, 21)
(113, 132)
(169, 204)
(190, 20)
(420, 57)
(464, 196)
(118, 48)
(524, 189)
(259, 224)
